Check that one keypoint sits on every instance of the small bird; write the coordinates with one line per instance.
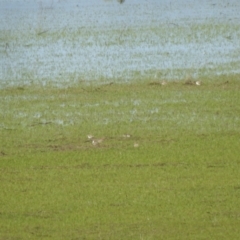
(164, 83)
(90, 136)
(136, 145)
(198, 83)
(96, 142)
(121, 1)
(126, 135)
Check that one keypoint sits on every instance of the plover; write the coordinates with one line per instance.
(136, 145)
(96, 142)
(90, 136)
(198, 83)
(164, 83)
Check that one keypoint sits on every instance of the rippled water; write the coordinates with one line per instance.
(65, 42)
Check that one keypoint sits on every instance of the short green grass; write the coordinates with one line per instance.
(181, 182)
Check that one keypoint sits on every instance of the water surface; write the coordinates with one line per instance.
(65, 42)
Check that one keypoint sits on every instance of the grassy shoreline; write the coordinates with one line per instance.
(175, 177)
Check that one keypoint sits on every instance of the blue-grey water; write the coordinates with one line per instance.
(63, 42)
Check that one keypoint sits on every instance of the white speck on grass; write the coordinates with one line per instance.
(136, 102)
(133, 112)
(153, 111)
(59, 122)
(37, 115)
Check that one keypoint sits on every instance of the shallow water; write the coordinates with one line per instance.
(64, 42)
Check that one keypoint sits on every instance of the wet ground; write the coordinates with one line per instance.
(65, 42)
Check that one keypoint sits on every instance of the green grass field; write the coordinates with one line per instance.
(176, 177)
